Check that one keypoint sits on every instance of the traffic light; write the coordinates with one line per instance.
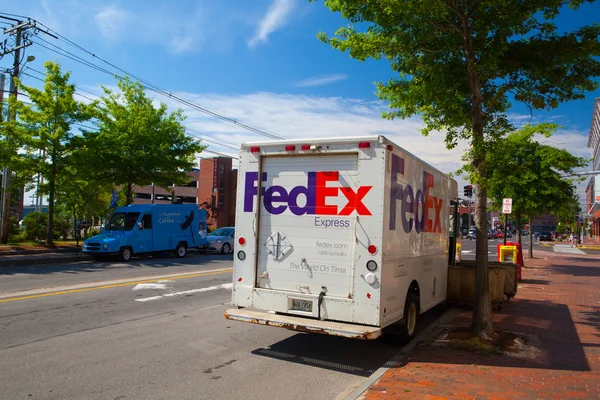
(468, 190)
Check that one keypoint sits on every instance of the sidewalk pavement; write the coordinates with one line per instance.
(24, 255)
(558, 301)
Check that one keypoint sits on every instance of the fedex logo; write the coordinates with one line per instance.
(277, 199)
(423, 221)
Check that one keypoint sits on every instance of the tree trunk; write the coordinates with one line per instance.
(530, 238)
(128, 194)
(518, 223)
(482, 312)
(51, 191)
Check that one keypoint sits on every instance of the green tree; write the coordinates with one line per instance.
(138, 143)
(35, 225)
(460, 64)
(44, 130)
(531, 173)
(81, 196)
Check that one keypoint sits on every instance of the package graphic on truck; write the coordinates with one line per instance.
(341, 236)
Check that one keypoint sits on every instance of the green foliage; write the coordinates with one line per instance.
(447, 53)
(138, 143)
(80, 196)
(531, 173)
(460, 64)
(35, 225)
(43, 130)
(13, 226)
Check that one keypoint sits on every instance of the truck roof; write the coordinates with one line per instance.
(339, 140)
(145, 207)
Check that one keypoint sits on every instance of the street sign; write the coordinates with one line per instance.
(506, 206)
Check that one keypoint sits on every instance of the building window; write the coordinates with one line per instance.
(187, 200)
(143, 196)
(192, 184)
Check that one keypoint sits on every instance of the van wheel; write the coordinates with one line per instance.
(126, 254)
(411, 311)
(226, 248)
(180, 251)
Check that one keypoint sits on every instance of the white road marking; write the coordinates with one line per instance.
(206, 289)
(143, 286)
(566, 248)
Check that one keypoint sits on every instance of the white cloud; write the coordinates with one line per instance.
(178, 33)
(276, 17)
(112, 22)
(321, 80)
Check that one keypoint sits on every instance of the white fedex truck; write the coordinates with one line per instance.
(342, 236)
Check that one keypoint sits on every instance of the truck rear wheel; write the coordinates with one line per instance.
(180, 250)
(411, 311)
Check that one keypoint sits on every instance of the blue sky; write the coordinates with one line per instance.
(258, 61)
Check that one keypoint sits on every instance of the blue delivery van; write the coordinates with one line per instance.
(150, 228)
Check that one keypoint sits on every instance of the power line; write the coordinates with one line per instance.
(151, 86)
(199, 135)
(220, 154)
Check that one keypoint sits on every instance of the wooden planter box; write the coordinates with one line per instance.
(461, 283)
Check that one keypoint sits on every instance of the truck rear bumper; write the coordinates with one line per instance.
(301, 324)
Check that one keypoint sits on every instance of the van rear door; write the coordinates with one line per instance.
(307, 224)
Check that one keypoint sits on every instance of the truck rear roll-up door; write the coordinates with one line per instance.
(307, 227)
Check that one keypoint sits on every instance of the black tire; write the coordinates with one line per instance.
(226, 248)
(180, 250)
(125, 254)
(411, 312)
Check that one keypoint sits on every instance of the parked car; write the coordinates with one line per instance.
(471, 234)
(492, 234)
(221, 240)
(546, 235)
(499, 234)
(508, 234)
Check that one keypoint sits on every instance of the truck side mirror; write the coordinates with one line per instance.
(140, 225)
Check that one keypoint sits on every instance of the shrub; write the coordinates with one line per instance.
(35, 224)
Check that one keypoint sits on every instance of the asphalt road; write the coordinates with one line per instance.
(86, 331)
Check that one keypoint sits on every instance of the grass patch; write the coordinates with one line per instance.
(498, 342)
(474, 344)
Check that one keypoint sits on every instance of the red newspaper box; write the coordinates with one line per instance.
(519, 255)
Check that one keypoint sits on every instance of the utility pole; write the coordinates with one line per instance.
(17, 30)
(2, 84)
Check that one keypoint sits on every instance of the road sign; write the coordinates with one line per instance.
(506, 206)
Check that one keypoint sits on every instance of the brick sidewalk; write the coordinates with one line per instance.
(559, 302)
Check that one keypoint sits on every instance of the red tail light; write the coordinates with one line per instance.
(290, 148)
(372, 249)
(306, 147)
(242, 241)
(364, 145)
(255, 149)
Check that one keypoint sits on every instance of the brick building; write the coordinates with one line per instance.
(217, 190)
(185, 194)
(593, 188)
(212, 186)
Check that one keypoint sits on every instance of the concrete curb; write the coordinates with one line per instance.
(399, 357)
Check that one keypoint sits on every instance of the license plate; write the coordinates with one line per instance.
(301, 305)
